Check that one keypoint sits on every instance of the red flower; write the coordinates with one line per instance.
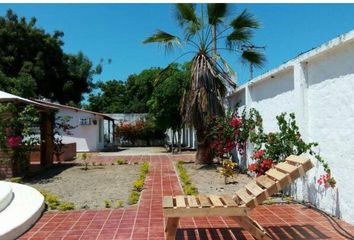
(14, 141)
(258, 154)
(235, 121)
(252, 167)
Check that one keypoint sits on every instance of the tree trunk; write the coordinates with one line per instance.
(203, 155)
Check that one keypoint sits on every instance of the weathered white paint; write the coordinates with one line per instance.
(319, 87)
(87, 137)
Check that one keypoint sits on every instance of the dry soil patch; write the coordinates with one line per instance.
(88, 189)
(209, 181)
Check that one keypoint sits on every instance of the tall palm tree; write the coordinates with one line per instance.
(211, 75)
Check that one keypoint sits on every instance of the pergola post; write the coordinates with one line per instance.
(47, 144)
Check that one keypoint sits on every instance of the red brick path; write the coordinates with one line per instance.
(145, 221)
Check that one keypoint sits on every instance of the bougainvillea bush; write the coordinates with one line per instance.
(274, 147)
(140, 130)
(17, 133)
(235, 131)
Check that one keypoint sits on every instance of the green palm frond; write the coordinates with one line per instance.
(186, 14)
(256, 58)
(187, 19)
(245, 20)
(216, 12)
(164, 38)
(238, 37)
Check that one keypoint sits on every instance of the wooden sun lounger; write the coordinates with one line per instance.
(238, 206)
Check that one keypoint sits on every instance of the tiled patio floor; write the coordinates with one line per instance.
(145, 221)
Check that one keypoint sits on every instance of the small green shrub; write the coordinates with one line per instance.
(134, 197)
(65, 206)
(139, 184)
(187, 186)
(107, 203)
(121, 161)
(119, 203)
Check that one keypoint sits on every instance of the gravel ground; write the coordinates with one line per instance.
(88, 189)
(209, 181)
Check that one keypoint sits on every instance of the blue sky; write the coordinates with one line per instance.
(116, 31)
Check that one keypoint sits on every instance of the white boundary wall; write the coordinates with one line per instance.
(318, 86)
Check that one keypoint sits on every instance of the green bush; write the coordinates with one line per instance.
(16, 179)
(54, 202)
(138, 184)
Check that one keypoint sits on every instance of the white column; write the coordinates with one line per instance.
(301, 100)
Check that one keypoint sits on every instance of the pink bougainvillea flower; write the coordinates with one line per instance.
(235, 121)
(252, 167)
(14, 141)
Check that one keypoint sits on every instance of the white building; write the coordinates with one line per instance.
(89, 132)
(318, 86)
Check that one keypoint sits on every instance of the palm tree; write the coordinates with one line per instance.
(211, 75)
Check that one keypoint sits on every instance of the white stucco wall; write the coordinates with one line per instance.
(86, 136)
(319, 87)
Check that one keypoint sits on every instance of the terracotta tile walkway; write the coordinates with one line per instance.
(145, 221)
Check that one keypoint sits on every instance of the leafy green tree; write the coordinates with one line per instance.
(111, 98)
(33, 64)
(130, 96)
(164, 104)
(210, 73)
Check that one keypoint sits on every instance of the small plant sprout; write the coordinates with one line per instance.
(121, 162)
(84, 158)
(119, 203)
(227, 169)
(107, 203)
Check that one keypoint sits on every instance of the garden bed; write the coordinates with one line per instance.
(89, 189)
(208, 181)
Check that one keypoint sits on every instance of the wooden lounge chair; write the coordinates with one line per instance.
(238, 206)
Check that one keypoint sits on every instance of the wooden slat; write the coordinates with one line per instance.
(275, 174)
(180, 202)
(265, 181)
(204, 202)
(254, 188)
(167, 202)
(192, 201)
(297, 159)
(229, 201)
(215, 200)
(285, 167)
(205, 212)
(244, 195)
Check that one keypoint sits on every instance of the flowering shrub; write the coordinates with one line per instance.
(140, 130)
(223, 132)
(227, 169)
(275, 147)
(261, 164)
(17, 133)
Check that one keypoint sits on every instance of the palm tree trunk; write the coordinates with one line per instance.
(203, 155)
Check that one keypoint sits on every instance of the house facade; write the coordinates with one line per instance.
(89, 131)
(318, 86)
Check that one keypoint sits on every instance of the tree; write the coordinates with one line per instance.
(111, 98)
(33, 64)
(130, 96)
(164, 104)
(210, 72)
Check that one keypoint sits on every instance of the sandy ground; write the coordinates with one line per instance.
(88, 189)
(209, 181)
